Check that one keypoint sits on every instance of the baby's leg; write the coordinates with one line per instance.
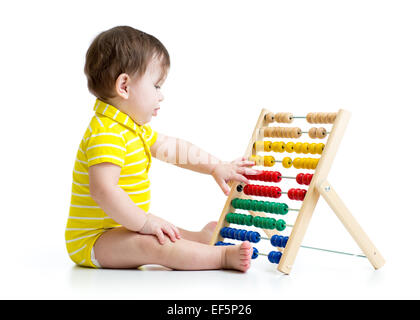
(121, 248)
(203, 236)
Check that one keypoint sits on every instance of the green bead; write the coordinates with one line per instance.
(241, 219)
(267, 223)
(257, 220)
(280, 225)
(285, 208)
(271, 223)
(229, 217)
(234, 203)
(248, 220)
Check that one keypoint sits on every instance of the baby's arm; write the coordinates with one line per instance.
(186, 155)
(183, 154)
(104, 189)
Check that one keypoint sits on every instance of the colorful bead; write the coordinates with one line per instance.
(274, 256)
(290, 147)
(269, 161)
(254, 253)
(280, 225)
(287, 162)
(278, 146)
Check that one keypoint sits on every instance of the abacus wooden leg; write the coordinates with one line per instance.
(350, 223)
(298, 231)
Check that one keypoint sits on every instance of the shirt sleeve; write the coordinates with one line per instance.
(149, 135)
(105, 146)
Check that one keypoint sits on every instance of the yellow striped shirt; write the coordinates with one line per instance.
(112, 136)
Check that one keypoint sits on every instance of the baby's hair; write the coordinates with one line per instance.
(120, 50)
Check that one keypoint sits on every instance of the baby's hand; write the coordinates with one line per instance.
(159, 227)
(224, 172)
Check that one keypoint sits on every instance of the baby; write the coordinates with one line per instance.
(109, 225)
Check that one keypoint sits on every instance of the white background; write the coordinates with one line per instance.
(229, 60)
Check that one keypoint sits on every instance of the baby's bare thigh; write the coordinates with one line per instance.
(122, 248)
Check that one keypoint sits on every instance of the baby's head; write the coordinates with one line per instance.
(126, 67)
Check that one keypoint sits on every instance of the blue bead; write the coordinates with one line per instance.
(255, 237)
(284, 242)
(254, 253)
(223, 232)
(242, 235)
(273, 240)
(248, 235)
(274, 256)
(231, 233)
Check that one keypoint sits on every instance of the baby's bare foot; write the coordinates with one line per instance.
(238, 257)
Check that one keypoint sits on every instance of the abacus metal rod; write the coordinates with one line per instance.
(326, 250)
(328, 132)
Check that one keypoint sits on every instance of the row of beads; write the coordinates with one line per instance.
(240, 234)
(319, 133)
(293, 132)
(268, 176)
(312, 117)
(262, 191)
(272, 192)
(257, 221)
(263, 206)
(281, 117)
(321, 117)
(252, 236)
(298, 147)
(296, 194)
(275, 176)
(298, 163)
(305, 163)
(304, 178)
(282, 132)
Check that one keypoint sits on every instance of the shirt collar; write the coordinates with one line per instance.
(112, 112)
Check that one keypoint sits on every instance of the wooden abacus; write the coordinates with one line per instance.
(240, 194)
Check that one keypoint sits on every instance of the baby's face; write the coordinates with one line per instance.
(145, 95)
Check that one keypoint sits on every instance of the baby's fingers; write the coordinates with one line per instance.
(161, 237)
(171, 232)
(247, 171)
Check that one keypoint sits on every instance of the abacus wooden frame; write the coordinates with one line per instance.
(319, 186)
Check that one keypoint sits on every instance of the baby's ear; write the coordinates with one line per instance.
(121, 85)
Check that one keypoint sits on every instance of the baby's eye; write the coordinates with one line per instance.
(157, 87)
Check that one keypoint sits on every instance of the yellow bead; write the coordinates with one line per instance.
(278, 146)
(305, 148)
(287, 162)
(269, 161)
(319, 148)
(307, 164)
(267, 146)
(290, 147)
(315, 163)
(297, 163)
(298, 147)
(312, 148)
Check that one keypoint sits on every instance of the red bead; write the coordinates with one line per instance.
(291, 194)
(300, 194)
(299, 178)
(307, 179)
(276, 176)
(276, 192)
